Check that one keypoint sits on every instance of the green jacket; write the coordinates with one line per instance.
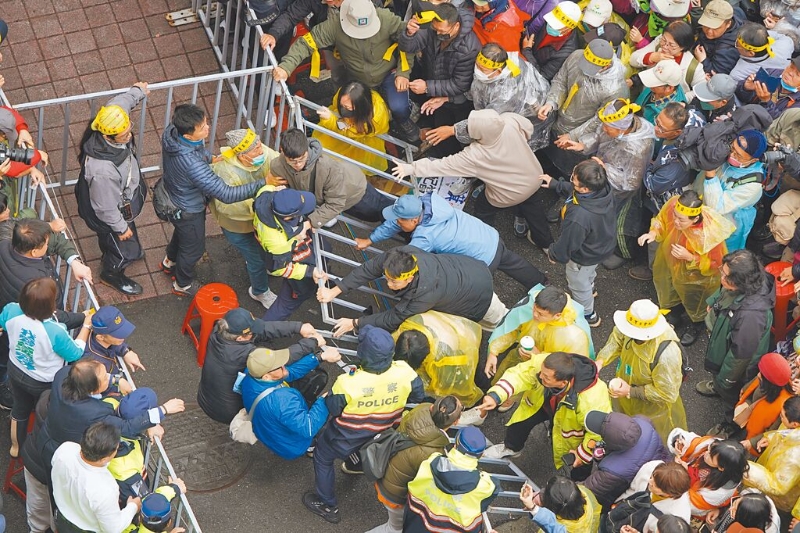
(403, 466)
(740, 335)
(363, 58)
(57, 245)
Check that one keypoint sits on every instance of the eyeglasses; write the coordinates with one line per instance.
(723, 274)
(662, 129)
(298, 160)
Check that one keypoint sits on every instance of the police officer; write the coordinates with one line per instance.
(110, 190)
(449, 492)
(362, 403)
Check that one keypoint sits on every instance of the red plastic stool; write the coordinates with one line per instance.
(210, 304)
(783, 293)
(15, 467)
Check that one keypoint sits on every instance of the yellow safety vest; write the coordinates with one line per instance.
(374, 401)
(131, 463)
(443, 510)
(276, 242)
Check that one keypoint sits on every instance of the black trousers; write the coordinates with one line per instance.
(26, 391)
(517, 434)
(370, 207)
(513, 265)
(447, 115)
(187, 245)
(118, 254)
(532, 209)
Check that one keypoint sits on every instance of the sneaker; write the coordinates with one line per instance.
(641, 272)
(706, 388)
(310, 451)
(122, 283)
(499, 451)
(613, 262)
(690, 335)
(593, 319)
(545, 251)
(167, 266)
(266, 299)
(471, 417)
(409, 132)
(189, 290)
(773, 250)
(520, 227)
(6, 399)
(477, 191)
(314, 504)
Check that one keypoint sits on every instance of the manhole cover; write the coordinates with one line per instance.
(202, 452)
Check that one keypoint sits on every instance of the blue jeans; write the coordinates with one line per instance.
(258, 261)
(398, 102)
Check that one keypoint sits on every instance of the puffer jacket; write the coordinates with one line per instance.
(585, 393)
(188, 177)
(337, 185)
(549, 58)
(16, 270)
(447, 72)
(403, 466)
(623, 459)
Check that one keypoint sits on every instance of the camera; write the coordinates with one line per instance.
(773, 157)
(20, 155)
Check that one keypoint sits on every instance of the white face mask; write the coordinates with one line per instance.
(484, 78)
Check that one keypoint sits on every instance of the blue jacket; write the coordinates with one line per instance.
(445, 230)
(189, 179)
(282, 421)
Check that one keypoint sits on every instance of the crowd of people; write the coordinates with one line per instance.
(656, 134)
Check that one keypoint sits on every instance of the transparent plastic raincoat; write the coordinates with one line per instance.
(522, 94)
(450, 367)
(655, 393)
(689, 282)
(625, 157)
(570, 334)
(380, 125)
(777, 471)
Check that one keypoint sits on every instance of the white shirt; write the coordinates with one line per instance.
(87, 496)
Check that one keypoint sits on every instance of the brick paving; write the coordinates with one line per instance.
(58, 48)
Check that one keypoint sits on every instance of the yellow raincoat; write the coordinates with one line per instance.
(558, 336)
(380, 125)
(655, 393)
(589, 522)
(689, 282)
(777, 471)
(450, 367)
(569, 433)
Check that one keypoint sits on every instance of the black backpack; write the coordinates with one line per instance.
(632, 511)
(685, 367)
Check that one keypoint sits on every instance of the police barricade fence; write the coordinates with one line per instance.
(79, 296)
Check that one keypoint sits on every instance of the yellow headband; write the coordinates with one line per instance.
(754, 49)
(643, 324)
(564, 19)
(593, 59)
(403, 275)
(242, 147)
(427, 16)
(484, 61)
(688, 211)
(619, 115)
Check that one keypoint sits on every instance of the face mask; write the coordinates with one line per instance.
(482, 76)
(443, 37)
(707, 106)
(258, 161)
(551, 32)
(732, 161)
(118, 146)
(788, 87)
(346, 113)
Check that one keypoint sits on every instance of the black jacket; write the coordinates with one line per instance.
(448, 283)
(67, 420)
(225, 359)
(297, 11)
(548, 59)
(448, 72)
(721, 54)
(589, 231)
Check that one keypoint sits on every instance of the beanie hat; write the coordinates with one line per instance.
(137, 402)
(375, 349)
(470, 441)
(756, 143)
(775, 369)
(240, 142)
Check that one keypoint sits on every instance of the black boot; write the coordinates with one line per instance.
(121, 282)
(690, 335)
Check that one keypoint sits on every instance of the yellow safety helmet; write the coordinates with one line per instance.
(111, 120)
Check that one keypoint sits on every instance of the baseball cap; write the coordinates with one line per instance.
(796, 62)
(564, 15)
(715, 14)
(597, 12)
(719, 87)
(240, 321)
(3, 30)
(291, 203)
(359, 19)
(671, 8)
(481, 2)
(597, 55)
(108, 320)
(156, 510)
(406, 206)
(666, 72)
(137, 402)
(470, 441)
(263, 360)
